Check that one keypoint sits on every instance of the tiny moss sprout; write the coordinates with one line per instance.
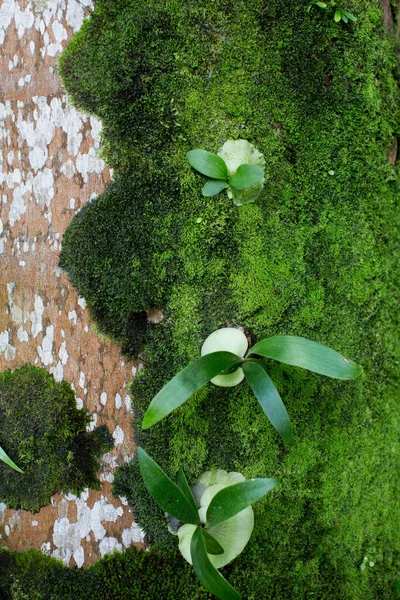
(225, 363)
(237, 167)
(339, 15)
(213, 519)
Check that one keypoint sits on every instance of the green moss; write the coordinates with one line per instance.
(45, 434)
(317, 255)
(132, 575)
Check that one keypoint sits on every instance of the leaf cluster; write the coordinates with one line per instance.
(291, 350)
(178, 501)
(213, 166)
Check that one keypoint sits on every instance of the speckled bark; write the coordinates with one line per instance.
(48, 170)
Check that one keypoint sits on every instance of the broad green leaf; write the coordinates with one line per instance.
(186, 383)
(321, 4)
(165, 492)
(213, 187)
(246, 176)
(208, 575)
(307, 354)
(5, 458)
(208, 164)
(337, 16)
(349, 16)
(183, 485)
(212, 545)
(344, 18)
(231, 500)
(269, 398)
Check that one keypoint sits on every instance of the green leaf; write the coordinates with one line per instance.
(307, 354)
(5, 458)
(208, 164)
(269, 398)
(231, 500)
(214, 187)
(337, 16)
(344, 18)
(208, 575)
(321, 4)
(212, 545)
(350, 16)
(246, 176)
(186, 383)
(185, 488)
(165, 492)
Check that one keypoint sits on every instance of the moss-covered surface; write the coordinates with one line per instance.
(317, 255)
(45, 434)
(133, 575)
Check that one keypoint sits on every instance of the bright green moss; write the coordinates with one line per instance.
(45, 434)
(316, 255)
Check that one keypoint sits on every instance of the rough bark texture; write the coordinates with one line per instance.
(48, 170)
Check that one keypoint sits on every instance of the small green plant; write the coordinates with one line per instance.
(213, 519)
(5, 458)
(225, 363)
(238, 168)
(339, 14)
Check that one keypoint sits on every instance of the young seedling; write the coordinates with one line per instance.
(215, 517)
(339, 14)
(237, 168)
(225, 363)
(5, 458)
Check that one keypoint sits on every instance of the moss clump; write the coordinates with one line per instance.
(132, 575)
(45, 434)
(317, 255)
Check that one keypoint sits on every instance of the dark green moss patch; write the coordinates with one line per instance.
(317, 255)
(45, 434)
(133, 575)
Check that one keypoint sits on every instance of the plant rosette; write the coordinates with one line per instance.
(213, 518)
(233, 534)
(226, 360)
(238, 167)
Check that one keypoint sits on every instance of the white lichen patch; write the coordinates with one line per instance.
(45, 351)
(118, 435)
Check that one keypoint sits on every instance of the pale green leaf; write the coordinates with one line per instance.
(246, 176)
(208, 164)
(300, 352)
(213, 187)
(5, 458)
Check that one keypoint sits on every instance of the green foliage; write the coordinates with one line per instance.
(292, 350)
(316, 255)
(242, 176)
(6, 459)
(339, 13)
(221, 506)
(42, 428)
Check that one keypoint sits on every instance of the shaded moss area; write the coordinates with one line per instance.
(133, 575)
(317, 255)
(45, 434)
